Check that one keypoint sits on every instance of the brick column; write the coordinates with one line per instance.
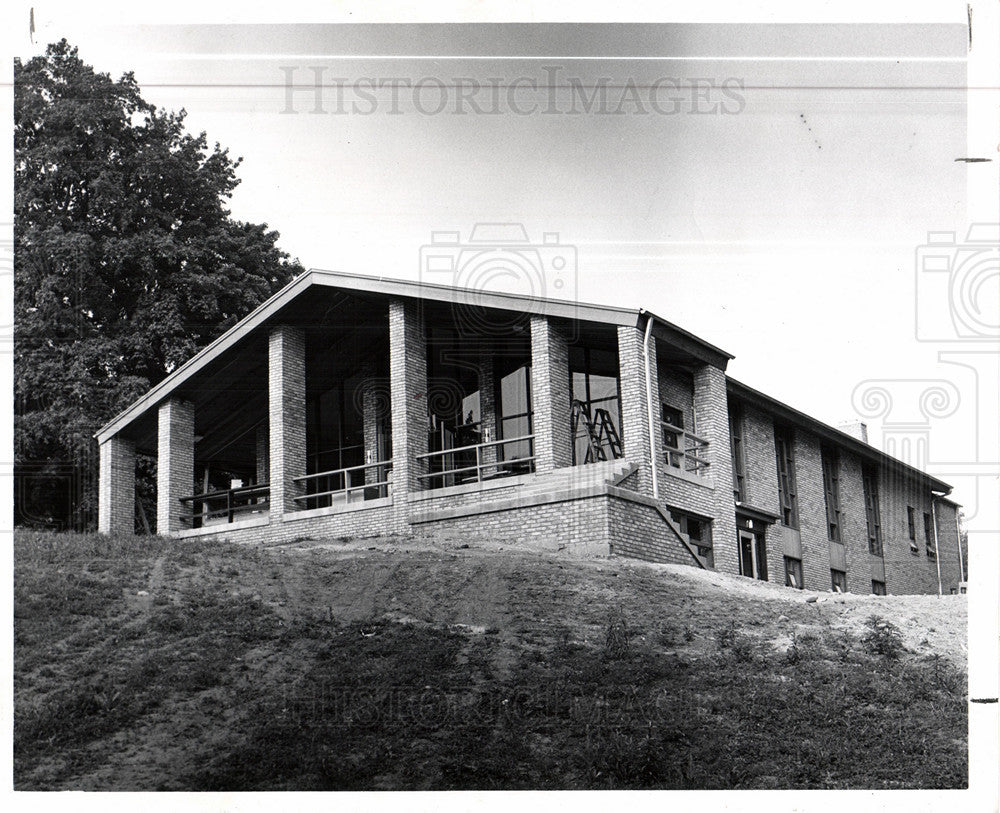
(635, 408)
(174, 464)
(286, 391)
(550, 396)
(373, 404)
(116, 490)
(487, 404)
(711, 414)
(263, 469)
(408, 386)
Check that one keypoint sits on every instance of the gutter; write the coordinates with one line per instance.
(649, 405)
(937, 553)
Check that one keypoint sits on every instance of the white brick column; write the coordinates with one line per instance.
(286, 396)
(408, 385)
(487, 404)
(550, 396)
(635, 407)
(116, 491)
(711, 414)
(174, 464)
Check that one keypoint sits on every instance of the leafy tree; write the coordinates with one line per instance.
(126, 263)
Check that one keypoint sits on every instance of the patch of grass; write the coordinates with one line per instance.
(560, 694)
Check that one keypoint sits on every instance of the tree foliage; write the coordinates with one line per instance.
(127, 261)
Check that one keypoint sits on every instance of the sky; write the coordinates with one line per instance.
(769, 187)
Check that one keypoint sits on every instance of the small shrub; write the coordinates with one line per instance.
(616, 646)
(883, 638)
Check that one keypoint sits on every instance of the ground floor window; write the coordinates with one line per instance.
(753, 555)
(793, 573)
(878, 588)
(838, 581)
(699, 532)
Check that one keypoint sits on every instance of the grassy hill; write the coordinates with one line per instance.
(399, 663)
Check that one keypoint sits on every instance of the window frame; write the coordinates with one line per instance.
(911, 525)
(703, 544)
(801, 577)
(834, 573)
(784, 451)
(737, 450)
(876, 591)
(873, 516)
(830, 460)
(929, 546)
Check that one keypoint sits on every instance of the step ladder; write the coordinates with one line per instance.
(600, 430)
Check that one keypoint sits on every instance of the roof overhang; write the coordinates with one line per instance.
(269, 310)
(826, 432)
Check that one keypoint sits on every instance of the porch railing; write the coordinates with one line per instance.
(344, 485)
(226, 505)
(684, 450)
(466, 464)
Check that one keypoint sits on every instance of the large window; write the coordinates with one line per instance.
(699, 532)
(514, 417)
(831, 488)
(911, 528)
(784, 449)
(594, 383)
(929, 536)
(870, 485)
(738, 453)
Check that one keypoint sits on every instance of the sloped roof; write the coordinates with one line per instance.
(566, 309)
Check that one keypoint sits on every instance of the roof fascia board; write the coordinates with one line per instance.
(205, 355)
(827, 432)
(558, 308)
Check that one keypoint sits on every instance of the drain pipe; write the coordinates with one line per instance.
(937, 553)
(649, 405)
(958, 538)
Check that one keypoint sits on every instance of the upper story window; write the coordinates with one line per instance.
(873, 518)
(831, 488)
(911, 528)
(929, 536)
(738, 453)
(784, 449)
(682, 449)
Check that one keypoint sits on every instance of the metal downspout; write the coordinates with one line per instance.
(649, 405)
(937, 553)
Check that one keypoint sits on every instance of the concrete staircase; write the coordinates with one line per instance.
(573, 478)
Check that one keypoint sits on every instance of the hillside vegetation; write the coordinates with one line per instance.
(399, 663)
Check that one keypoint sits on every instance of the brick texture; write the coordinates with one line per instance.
(263, 450)
(286, 416)
(634, 404)
(408, 385)
(116, 492)
(711, 415)
(174, 464)
(550, 395)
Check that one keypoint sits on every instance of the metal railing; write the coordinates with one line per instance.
(684, 450)
(465, 464)
(226, 504)
(338, 485)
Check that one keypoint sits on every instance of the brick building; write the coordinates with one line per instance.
(353, 405)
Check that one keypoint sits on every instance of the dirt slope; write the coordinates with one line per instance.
(189, 666)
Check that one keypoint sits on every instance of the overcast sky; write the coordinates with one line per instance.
(767, 187)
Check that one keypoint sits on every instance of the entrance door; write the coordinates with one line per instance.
(753, 555)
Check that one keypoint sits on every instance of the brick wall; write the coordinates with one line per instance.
(286, 416)
(487, 404)
(408, 387)
(263, 451)
(640, 532)
(174, 463)
(711, 419)
(948, 546)
(677, 390)
(116, 490)
(905, 572)
(550, 395)
(634, 405)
